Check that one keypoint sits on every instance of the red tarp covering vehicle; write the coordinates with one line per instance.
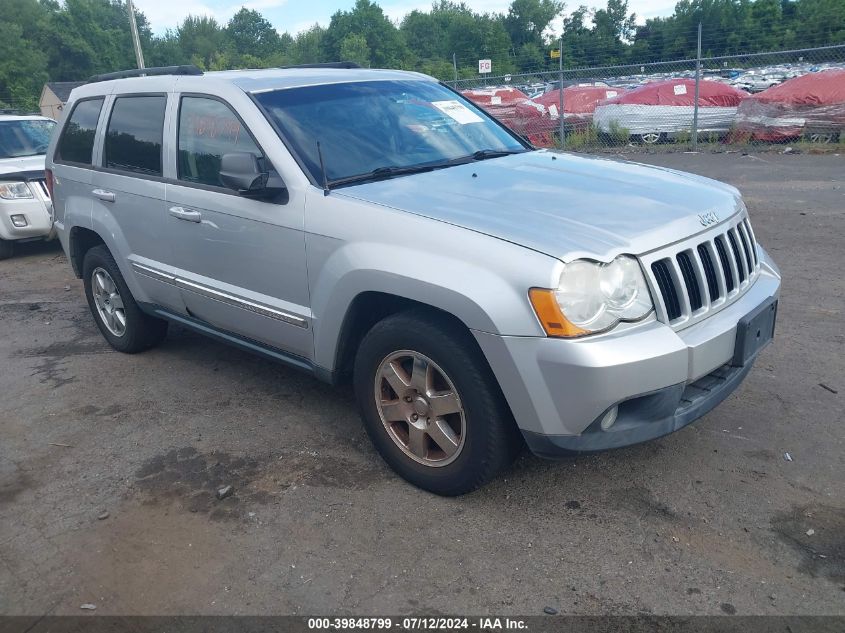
(665, 108)
(539, 118)
(812, 105)
(499, 102)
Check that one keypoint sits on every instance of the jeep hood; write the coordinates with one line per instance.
(24, 165)
(560, 204)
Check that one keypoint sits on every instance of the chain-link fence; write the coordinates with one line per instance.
(13, 104)
(754, 100)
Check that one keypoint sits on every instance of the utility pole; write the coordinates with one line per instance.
(697, 82)
(136, 41)
(455, 66)
(560, 111)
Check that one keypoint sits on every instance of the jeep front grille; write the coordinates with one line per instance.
(703, 274)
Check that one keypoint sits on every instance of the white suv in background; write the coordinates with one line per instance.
(26, 212)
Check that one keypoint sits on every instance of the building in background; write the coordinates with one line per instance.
(54, 96)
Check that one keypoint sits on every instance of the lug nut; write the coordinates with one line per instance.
(407, 398)
(415, 417)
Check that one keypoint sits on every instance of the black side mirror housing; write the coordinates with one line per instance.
(242, 172)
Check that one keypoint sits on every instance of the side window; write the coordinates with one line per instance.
(77, 142)
(207, 130)
(134, 134)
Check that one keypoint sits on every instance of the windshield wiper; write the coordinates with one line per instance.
(484, 154)
(380, 173)
(386, 172)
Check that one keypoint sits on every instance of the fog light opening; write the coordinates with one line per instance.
(19, 221)
(609, 418)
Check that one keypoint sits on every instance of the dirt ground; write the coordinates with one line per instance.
(711, 520)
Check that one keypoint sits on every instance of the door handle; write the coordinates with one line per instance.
(181, 213)
(102, 194)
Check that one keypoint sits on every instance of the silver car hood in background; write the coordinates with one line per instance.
(562, 205)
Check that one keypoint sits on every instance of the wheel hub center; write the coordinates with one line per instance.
(420, 406)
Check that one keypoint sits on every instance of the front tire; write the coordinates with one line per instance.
(431, 405)
(120, 320)
(7, 248)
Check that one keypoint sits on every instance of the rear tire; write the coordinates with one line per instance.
(7, 248)
(117, 315)
(450, 430)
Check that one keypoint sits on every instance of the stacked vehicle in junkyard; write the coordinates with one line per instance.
(500, 102)
(776, 103)
(664, 110)
(539, 118)
(811, 106)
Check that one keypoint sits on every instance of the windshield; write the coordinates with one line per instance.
(24, 138)
(367, 126)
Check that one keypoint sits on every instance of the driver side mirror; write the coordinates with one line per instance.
(242, 172)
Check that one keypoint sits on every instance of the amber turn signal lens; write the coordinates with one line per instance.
(552, 319)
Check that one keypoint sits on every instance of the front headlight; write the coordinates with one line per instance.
(593, 297)
(15, 191)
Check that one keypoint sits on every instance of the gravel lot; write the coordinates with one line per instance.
(712, 519)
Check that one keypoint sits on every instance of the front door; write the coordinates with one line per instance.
(241, 261)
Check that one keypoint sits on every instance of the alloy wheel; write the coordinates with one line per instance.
(420, 408)
(108, 301)
(821, 137)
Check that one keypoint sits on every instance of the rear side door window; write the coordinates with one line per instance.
(134, 135)
(208, 129)
(77, 142)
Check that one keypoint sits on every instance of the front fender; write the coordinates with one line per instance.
(484, 283)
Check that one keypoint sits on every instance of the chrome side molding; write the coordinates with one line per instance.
(223, 297)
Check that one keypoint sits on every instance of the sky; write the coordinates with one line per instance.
(297, 15)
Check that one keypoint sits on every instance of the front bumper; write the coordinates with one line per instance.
(38, 214)
(660, 379)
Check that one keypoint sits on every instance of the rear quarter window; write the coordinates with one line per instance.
(77, 142)
(134, 134)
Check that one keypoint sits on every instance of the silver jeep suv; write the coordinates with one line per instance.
(373, 224)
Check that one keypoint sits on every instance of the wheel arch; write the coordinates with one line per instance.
(368, 308)
(80, 241)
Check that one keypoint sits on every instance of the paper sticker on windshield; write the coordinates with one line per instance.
(458, 111)
(553, 111)
(680, 89)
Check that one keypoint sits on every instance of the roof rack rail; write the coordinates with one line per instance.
(188, 69)
(347, 65)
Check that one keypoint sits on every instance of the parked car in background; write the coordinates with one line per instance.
(26, 212)
(812, 106)
(755, 83)
(662, 110)
(481, 295)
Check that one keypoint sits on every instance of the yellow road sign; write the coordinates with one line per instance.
(555, 54)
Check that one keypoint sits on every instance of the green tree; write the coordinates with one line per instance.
(354, 48)
(249, 33)
(528, 19)
(202, 41)
(23, 68)
(307, 46)
(366, 19)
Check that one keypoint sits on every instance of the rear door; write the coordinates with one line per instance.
(241, 261)
(129, 194)
(72, 165)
